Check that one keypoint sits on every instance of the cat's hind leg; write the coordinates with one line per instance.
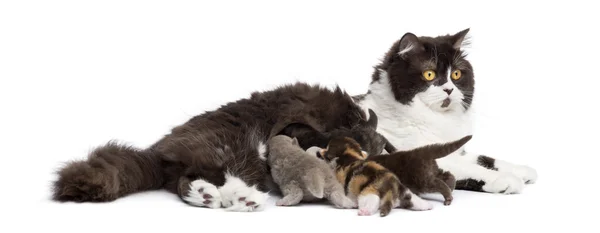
(199, 192)
(292, 195)
(448, 178)
(241, 196)
(368, 204)
(441, 187)
(334, 192)
(244, 189)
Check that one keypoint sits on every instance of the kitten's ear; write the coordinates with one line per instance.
(409, 43)
(460, 40)
(364, 154)
(321, 153)
(295, 141)
(373, 121)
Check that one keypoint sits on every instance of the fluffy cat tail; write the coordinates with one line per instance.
(436, 151)
(110, 171)
(315, 183)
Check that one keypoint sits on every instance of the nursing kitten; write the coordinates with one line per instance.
(371, 185)
(301, 176)
(364, 133)
(417, 169)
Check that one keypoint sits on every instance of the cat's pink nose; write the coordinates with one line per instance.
(449, 90)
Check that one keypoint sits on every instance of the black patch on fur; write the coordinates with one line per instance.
(487, 162)
(349, 174)
(470, 185)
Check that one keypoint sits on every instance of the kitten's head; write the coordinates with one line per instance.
(432, 69)
(367, 136)
(283, 141)
(342, 148)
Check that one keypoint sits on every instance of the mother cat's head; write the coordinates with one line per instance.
(432, 70)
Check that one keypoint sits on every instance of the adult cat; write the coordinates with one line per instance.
(216, 159)
(422, 92)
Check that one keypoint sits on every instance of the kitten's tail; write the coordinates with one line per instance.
(110, 171)
(436, 151)
(315, 183)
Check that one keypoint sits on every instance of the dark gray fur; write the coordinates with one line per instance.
(365, 133)
(207, 146)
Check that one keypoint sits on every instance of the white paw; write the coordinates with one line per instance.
(419, 204)
(526, 173)
(365, 212)
(203, 194)
(238, 196)
(505, 183)
(368, 204)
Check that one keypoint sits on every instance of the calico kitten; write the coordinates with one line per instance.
(371, 185)
(418, 170)
(364, 133)
(301, 176)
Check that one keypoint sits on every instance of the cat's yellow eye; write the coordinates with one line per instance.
(456, 74)
(429, 75)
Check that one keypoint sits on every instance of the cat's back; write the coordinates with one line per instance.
(332, 108)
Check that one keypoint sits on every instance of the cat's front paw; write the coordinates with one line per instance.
(526, 173)
(505, 183)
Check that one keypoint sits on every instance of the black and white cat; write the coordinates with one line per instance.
(422, 92)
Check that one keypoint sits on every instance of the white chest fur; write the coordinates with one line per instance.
(414, 125)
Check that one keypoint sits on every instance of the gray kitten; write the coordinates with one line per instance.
(302, 176)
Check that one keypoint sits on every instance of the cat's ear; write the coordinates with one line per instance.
(460, 39)
(409, 43)
(372, 123)
(295, 141)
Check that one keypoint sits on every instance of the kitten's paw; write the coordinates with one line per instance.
(526, 173)
(505, 183)
(238, 196)
(288, 202)
(364, 212)
(347, 203)
(448, 201)
(281, 202)
(368, 204)
(419, 204)
(203, 194)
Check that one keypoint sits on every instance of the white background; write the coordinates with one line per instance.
(75, 74)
